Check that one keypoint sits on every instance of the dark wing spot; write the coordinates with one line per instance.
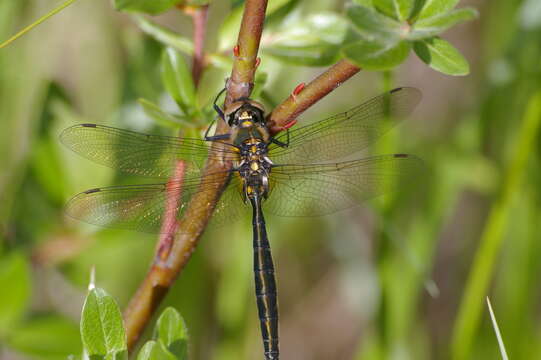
(401, 155)
(89, 125)
(92, 191)
(395, 90)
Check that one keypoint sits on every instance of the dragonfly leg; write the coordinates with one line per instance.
(222, 116)
(216, 107)
(279, 143)
(218, 137)
(215, 137)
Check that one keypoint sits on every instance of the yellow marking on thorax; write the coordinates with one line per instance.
(245, 116)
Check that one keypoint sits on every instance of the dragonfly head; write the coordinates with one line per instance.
(245, 114)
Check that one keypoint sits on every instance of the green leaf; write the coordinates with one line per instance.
(155, 350)
(441, 56)
(435, 25)
(102, 330)
(146, 6)
(371, 55)
(164, 35)
(304, 56)
(178, 80)
(171, 330)
(313, 41)
(163, 117)
(373, 26)
(47, 166)
(397, 9)
(15, 287)
(46, 337)
(436, 7)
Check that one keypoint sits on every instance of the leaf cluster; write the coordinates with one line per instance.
(386, 31)
(104, 337)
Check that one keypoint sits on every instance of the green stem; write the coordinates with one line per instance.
(36, 23)
(476, 288)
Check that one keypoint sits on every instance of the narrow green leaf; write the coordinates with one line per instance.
(171, 330)
(371, 55)
(46, 337)
(485, 261)
(397, 9)
(15, 288)
(163, 117)
(178, 80)
(441, 56)
(146, 6)
(155, 350)
(102, 330)
(373, 26)
(434, 26)
(164, 35)
(436, 7)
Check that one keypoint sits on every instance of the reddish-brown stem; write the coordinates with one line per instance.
(172, 204)
(302, 98)
(199, 210)
(199, 20)
(240, 83)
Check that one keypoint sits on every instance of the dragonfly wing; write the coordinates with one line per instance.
(231, 206)
(140, 154)
(348, 132)
(143, 207)
(319, 189)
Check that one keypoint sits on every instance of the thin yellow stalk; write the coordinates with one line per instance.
(36, 23)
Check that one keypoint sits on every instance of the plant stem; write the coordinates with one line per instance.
(242, 77)
(162, 273)
(491, 240)
(318, 88)
(172, 203)
(199, 16)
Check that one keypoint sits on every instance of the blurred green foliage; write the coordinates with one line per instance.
(104, 336)
(403, 278)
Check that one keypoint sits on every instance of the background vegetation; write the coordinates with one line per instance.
(403, 277)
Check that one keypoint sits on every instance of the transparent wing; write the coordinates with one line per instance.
(144, 207)
(141, 154)
(348, 132)
(319, 189)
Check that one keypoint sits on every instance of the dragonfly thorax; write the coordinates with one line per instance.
(246, 119)
(245, 113)
(254, 167)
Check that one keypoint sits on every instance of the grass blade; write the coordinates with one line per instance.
(36, 23)
(497, 331)
(491, 240)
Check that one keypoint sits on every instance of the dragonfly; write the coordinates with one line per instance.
(304, 171)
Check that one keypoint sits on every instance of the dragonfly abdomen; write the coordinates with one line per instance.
(265, 282)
